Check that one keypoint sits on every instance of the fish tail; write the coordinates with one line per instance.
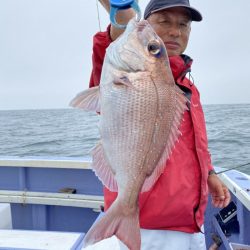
(123, 224)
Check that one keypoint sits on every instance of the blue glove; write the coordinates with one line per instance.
(116, 5)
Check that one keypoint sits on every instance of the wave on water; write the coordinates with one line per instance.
(229, 134)
(73, 133)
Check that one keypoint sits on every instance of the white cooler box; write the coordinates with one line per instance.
(5, 216)
(21, 239)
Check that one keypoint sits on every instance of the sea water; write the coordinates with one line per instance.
(73, 133)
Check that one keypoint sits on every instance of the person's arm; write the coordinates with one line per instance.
(122, 17)
(219, 192)
(101, 41)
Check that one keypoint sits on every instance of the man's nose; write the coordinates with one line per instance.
(174, 31)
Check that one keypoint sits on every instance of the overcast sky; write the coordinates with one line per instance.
(46, 47)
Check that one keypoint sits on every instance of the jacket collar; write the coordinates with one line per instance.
(180, 66)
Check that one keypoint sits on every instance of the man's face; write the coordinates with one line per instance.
(173, 26)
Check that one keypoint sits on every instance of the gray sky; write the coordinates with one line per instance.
(46, 47)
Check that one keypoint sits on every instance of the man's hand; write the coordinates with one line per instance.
(123, 17)
(219, 192)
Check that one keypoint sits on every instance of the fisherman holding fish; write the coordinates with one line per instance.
(153, 157)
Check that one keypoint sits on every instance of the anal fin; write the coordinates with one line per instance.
(103, 169)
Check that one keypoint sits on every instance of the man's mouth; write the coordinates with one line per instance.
(172, 45)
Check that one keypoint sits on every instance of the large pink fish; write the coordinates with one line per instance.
(141, 109)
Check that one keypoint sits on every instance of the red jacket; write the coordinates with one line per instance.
(178, 199)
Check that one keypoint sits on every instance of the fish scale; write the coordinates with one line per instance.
(141, 109)
(127, 105)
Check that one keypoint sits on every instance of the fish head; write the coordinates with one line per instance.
(139, 48)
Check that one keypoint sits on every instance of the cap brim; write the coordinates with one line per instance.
(195, 14)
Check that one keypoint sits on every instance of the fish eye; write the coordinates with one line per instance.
(154, 48)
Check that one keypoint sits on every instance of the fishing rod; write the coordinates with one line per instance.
(98, 15)
(240, 166)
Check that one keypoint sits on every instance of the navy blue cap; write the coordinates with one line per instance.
(157, 5)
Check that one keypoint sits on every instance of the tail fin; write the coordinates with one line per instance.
(124, 225)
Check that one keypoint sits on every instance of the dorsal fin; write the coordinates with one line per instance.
(181, 107)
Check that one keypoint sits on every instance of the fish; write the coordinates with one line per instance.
(141, 109)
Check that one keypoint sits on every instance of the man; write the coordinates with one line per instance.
(173, 210)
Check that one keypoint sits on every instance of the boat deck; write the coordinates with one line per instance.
(56, 199)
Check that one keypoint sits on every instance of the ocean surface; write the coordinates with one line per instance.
(73, 133)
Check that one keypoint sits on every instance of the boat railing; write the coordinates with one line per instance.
(239, 185)
(236, 181)
(63, 197)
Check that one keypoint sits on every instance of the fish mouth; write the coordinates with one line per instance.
(145, 32)
(142, 25)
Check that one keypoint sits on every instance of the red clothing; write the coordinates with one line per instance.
(178, 199)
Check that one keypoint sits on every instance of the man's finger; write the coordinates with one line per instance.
(221, 201)
(227, 196)
(218, 201)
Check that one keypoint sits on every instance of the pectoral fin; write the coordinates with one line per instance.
(87, 100)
